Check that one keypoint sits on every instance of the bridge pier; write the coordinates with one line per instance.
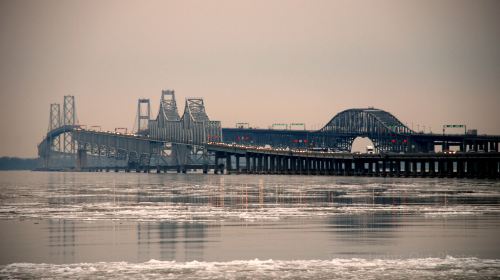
(432, 168)
(265, 160)
(272, 165)
(480, 165)
(460, 168)
(398, 168)
(247, 163)
(216, 169)
(228, 164)
(237, 159)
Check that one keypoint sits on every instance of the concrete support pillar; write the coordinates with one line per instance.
(441, 168)
(356, 170)
(460, 168)
(229, 168)
(277, 165)
(265, 166)
(480, 170)
(237, 159)
(259, 164)
(398, 168)
(254, 163)
(497, 169)
(423, 166)
(216, 169)
(348, 167)
(284, 165)
(271, 164)
(471, 168)
(411, 168)
(492, 168)
(432, 168)
(247, 163)
(449, 167)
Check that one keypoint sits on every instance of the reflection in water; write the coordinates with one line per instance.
(62, 240)
(173, 241)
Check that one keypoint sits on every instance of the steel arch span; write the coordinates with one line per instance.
(385, 131)
(367, 122)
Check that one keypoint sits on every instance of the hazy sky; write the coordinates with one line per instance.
(428, 62)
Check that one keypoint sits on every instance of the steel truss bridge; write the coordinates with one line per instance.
(169, 141)
(387, 133)
(192, 140)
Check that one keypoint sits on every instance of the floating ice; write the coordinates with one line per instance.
(355, 268)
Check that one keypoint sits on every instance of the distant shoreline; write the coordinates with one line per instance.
(16, 163)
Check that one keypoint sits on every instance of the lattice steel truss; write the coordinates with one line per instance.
(168, 106)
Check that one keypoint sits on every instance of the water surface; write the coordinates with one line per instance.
(193, 226)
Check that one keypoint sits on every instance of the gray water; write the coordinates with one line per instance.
(195, 226)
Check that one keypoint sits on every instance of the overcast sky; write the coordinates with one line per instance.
(428, 62)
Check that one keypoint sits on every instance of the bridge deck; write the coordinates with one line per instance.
(285, 161)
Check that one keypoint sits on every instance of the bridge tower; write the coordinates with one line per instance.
(169, 105)
(55, 122)
(69, 118)
(143, 116)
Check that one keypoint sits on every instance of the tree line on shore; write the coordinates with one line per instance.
(15, 163)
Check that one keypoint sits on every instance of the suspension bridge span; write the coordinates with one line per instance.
(192, 140)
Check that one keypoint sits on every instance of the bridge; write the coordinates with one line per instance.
(387, 133)
(193, 141)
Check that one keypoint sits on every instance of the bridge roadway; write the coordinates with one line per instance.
(261, 160)
(412, 142)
